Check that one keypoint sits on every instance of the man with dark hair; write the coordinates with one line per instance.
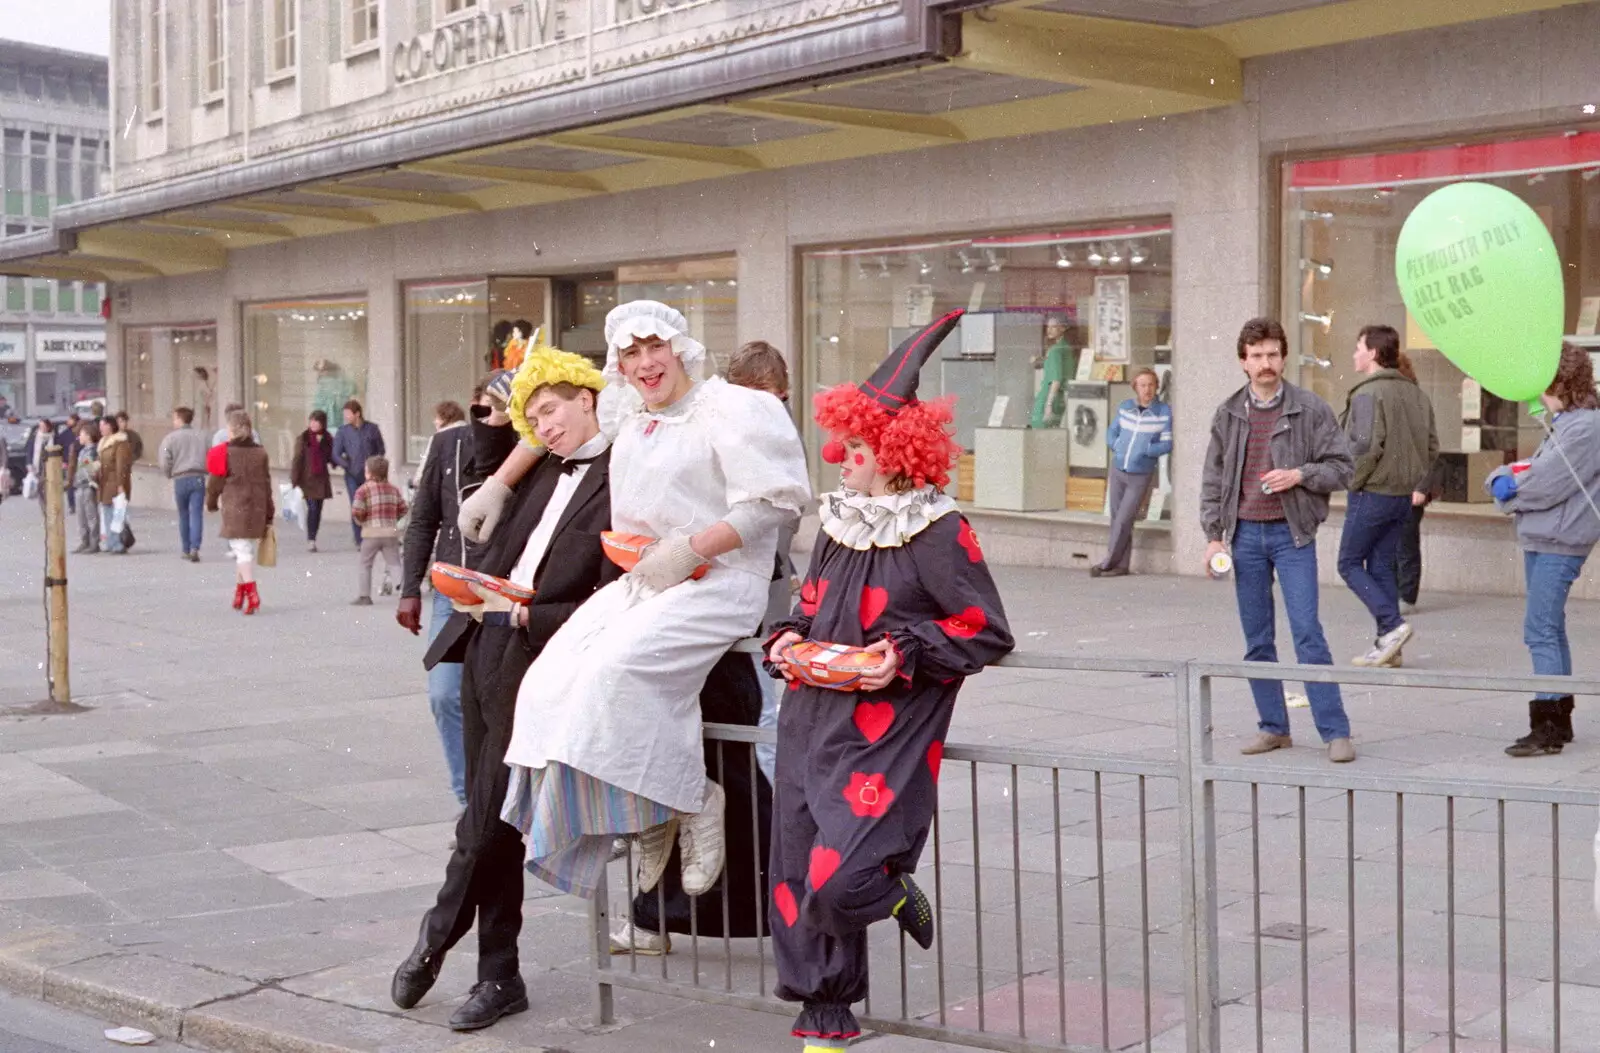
(432, 534)
(182, 456)
(135, 440)
(352, 445)
(1389, 424)
(1276, 454)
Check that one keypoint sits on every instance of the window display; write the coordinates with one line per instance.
(1058, 322)
(705, 290)
(166, 367)
(302, 355)
(1342, 217)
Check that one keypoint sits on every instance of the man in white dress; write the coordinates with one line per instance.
(712, 471)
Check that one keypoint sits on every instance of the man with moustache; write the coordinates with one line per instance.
(550, 542)
(1276, 453)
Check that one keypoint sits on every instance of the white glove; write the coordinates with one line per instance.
(493, 602)
(480, 513)
(666, 563)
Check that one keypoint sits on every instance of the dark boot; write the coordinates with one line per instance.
(1564, 718)
(915, 913)
(489, 1001)
(1544, 737)
(417, 973)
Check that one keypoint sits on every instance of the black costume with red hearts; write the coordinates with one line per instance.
(857, 771)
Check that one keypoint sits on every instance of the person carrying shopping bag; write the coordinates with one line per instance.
(243, 494)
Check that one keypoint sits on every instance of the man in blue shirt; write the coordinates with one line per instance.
(352, 445)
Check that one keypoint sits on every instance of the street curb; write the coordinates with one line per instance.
(199, 1025)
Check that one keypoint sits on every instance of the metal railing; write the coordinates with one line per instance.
(1088, 901)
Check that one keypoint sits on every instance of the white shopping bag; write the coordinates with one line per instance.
(30, 485)
(293, 502)
(119, 513)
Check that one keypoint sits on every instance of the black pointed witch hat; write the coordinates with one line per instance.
(894, 384)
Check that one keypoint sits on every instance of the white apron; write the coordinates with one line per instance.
(616, 691)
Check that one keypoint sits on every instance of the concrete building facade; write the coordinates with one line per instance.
(54, 127)
(375, 206)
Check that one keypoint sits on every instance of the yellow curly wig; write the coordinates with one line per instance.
(542, 366)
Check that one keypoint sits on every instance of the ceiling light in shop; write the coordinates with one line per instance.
(1095, 256)
(1116, 255)
(883, 266)
(924, 268)
(1062, 259)
(1138, 255)
(1324, 320)
(994, 261)
(966, 261)
(1314, 214)
(1313, 360)
(1321, 267)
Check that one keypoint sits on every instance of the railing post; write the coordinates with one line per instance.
(1197, 847)
(600, 925)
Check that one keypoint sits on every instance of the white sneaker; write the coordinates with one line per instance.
(655, 848)
(700, 842)
(630, 939)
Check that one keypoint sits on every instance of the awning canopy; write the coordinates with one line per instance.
(1011, 69)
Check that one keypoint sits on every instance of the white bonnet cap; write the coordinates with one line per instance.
(638, 318)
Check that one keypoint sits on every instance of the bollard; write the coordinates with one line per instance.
(55, 575)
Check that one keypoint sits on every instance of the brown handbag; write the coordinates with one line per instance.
(267, 550)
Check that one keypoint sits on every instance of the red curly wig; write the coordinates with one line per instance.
(914, 447)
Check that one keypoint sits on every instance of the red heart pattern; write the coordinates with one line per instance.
(811, 594)
(968, 539)
(824, 862)
(966, 625)
(935, 759)
(874, 601)
(873, 719)
(783, 899)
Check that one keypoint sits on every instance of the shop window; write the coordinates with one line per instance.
(705, 290)
(363, 24)
(165, 367)
(1342, 217)
(1058, 325)
(299, 356)
(13, 376)
(456, 332)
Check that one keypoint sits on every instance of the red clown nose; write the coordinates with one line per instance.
(833, 452)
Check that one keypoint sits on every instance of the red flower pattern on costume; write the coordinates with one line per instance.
(966, 625)
(968, 539)
(868, 795)
(811, 594)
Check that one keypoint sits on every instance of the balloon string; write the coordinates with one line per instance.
(1584, 490)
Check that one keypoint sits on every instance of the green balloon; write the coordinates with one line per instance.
(1479, 273)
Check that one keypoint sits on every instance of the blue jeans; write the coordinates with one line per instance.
(352, 483)
(1544, 625)
(1373, 527)
(1259, 550)
(190, 493)
(444, 698)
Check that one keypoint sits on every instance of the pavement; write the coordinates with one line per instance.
(231, 842)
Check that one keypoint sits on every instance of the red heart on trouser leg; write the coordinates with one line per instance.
(824, 861)
(935, 758)
(783, 899)
(873, 719)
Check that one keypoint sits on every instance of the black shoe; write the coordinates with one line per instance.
(489, 1001)
(416, 974)
(915, 914)
(1563, 720)
(1544, 735)
(1096, 570)
(1114, 572)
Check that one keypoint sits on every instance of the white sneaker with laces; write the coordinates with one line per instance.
(700, 842)
(655, 848)
(630, 939)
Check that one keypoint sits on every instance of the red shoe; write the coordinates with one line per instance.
(252, 598)
(238, 595)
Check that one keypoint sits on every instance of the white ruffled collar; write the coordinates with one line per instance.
(860, 521)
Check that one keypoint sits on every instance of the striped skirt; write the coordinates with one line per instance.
(570, 820)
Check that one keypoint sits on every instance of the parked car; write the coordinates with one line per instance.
(15, 433)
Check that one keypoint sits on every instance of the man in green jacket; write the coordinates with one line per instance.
(1389, 423)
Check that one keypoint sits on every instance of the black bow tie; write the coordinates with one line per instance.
(572, 464)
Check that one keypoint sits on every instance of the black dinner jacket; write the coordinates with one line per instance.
(572, 569)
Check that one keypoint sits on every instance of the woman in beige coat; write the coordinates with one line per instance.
(244, 496)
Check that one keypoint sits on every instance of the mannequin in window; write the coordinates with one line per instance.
(1050, 372)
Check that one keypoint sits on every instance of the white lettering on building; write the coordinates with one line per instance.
(483, 38)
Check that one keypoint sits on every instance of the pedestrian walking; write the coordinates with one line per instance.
(41, 438)
(85, 479)
(71, 443)
(377, 508)
(221, 436)
(1388, 422)
(309, 470)
(1139, 436)
(182, 457)
(115, 487)
(1408, 559)
(1276, 453)
(135, 440)
(352, 445)
(895, 570)
(244, 496)
(1553, 497)
(432, 534)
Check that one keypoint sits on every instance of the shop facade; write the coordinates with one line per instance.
(1083, 255)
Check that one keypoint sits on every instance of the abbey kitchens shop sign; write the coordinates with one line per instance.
(593, 37)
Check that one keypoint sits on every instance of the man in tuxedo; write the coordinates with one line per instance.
(551, 543)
